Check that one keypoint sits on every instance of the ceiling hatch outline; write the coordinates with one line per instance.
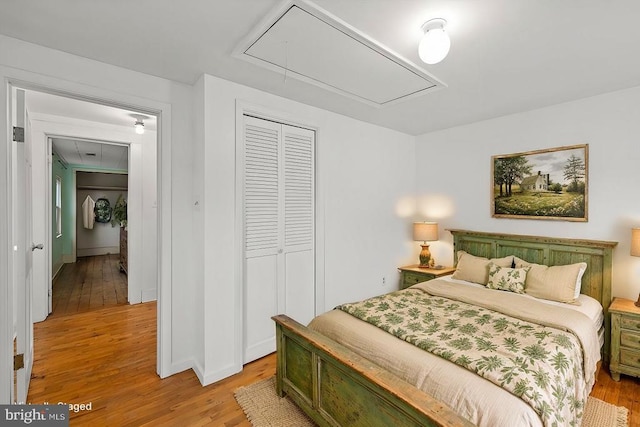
(303, 41)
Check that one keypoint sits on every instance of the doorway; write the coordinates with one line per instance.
(45, 128)
(98, 277)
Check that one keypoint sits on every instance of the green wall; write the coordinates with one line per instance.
(57, 242)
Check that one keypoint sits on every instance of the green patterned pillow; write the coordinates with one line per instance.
(507, 279)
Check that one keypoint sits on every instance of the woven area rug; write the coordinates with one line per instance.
(265, 409)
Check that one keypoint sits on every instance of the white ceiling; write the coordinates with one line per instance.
(91, 154)
(506, 56)
(73, 151)
(45, 103)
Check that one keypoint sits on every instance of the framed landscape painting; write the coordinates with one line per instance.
(543, 184)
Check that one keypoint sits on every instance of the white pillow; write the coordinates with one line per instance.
(476, 269)
(556, 283)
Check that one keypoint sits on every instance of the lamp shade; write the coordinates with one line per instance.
(635, 242)
(425, 231)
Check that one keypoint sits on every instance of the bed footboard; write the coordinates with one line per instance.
(336, 387)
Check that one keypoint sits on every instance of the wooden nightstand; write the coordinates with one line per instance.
(412, 274)
(625, 338)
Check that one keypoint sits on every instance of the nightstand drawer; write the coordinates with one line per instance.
(625, 338)
(630, 339)
(630, 323)
(412, 274)
(630, 357)
(411, 279)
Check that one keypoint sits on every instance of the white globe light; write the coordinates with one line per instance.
(435, 43)
(139, 127)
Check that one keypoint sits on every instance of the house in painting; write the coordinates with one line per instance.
(537, 182)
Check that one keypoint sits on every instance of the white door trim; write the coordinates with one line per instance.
(260, 111)
(162, 110)
(6, 252)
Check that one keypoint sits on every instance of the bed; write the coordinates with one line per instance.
(340, 384)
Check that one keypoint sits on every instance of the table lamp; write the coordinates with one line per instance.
(425, 232)
(635, 249)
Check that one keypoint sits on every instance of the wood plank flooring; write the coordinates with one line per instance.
(88, 284)
(107, 357)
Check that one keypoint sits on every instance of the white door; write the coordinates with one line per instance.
(278, 229)
(23, 258)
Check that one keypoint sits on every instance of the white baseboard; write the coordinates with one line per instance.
(261, 349)
(199, 371)
(207, 378)
(178, 367)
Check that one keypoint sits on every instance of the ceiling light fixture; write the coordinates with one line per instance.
(435, 43)
(139, 125)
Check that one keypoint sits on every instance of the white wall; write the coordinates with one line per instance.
(103, 238)
(197, 223)
(37, 65)
(454, 168)
(363, 173)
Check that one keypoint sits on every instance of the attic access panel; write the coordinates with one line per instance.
(307, 43)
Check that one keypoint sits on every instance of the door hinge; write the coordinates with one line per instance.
(18, 134)
(18, 362)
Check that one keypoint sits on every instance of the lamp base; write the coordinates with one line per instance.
(637, 303)
(426, 261)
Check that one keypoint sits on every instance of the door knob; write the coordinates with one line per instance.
(38, 246)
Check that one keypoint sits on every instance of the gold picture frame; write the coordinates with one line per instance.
(549, 184)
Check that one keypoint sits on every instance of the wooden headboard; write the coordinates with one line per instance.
(596, 281)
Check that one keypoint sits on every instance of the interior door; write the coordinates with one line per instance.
(262, 234)
(279, 217)
(23, 259)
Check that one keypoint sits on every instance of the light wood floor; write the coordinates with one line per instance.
(107, 358)
(88, 284)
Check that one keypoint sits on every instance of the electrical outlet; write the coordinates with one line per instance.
(384, 281)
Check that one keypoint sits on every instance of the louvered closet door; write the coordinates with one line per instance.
(278, 225)
(299, 284)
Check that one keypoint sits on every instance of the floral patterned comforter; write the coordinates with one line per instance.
(540, 364)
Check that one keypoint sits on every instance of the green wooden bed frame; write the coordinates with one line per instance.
(337, 387)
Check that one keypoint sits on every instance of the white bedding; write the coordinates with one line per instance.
(471, 396)
(586, 305)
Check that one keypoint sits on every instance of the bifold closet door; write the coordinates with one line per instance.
(278, 229)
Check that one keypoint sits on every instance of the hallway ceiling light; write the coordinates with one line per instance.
(435, 43)
(139, 125)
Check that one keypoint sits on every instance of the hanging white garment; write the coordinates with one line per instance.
(88, 216)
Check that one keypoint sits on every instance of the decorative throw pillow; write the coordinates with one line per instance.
(476, 269)
(507, 279)
(556, 283)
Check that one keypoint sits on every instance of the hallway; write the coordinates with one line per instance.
(91, 283)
